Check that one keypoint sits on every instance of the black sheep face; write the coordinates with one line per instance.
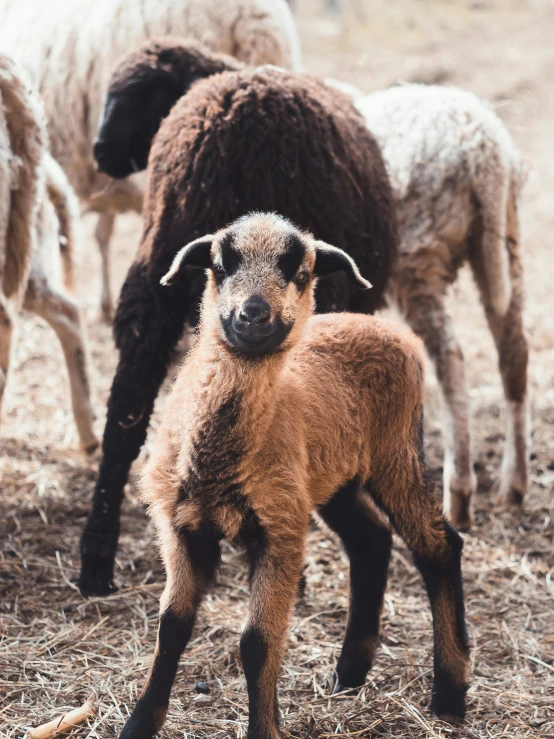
(132, 116)
(259, 293)
(143, 88)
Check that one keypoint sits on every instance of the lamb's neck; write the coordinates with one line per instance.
(254, 380)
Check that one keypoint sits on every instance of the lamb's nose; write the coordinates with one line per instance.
(254, 310)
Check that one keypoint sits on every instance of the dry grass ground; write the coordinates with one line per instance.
(57, 649)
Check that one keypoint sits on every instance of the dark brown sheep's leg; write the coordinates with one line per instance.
(191, 559)
(148, 323)
(368, 544)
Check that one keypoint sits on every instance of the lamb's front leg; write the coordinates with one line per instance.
(276, 561)
(191, 559)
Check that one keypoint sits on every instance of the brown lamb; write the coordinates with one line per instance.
(236, 142)
(277, 414)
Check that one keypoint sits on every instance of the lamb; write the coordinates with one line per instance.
(456, 175)
(69, 50)
(238, 141)
(276, 414)
(38, 229)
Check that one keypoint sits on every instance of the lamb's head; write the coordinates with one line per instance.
(261, 277)
(143, 88)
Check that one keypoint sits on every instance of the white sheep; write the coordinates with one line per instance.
(39, 218)
(69, 49)
(456, 174)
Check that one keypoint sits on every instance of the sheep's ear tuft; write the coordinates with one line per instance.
(329, 259)
(196, 254)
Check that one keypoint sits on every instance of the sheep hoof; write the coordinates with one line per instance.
(90, 587)
(91, 447)
(512, 496)
(137, 728)
(96, 577)
(340, 688)
(106, 313)
(449, 704)
(460, 512)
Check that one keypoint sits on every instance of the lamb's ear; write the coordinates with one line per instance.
(329, 259)
(195, 254)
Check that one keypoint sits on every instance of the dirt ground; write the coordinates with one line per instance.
(56, 649)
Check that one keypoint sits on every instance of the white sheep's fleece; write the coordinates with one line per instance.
(22, 143)
(70, 48)
(441, 142)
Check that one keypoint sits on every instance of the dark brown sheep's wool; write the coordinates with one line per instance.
(241, 141)
(264, 139)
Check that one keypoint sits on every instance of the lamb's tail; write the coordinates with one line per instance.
(65, 204)
(496, 188)
(23, 124)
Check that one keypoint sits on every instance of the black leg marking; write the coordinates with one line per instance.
(203, 555)
(368, 544)
(151, 708)
(437, 556)
(449, 691)
(204, 551)
(253, 649)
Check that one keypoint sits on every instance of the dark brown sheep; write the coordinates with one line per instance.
(276, 414)
(239, 141)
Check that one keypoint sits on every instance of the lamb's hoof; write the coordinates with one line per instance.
(137, 728)
(345, 688)
(449, 705)
(144, 722)
(96, 577)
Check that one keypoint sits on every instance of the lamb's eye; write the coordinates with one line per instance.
(219, 272)
(301, 278)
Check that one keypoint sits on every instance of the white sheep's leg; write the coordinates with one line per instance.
(6, 334)
(64, 317)
(103, 233)
(513, 354)
(428, 317)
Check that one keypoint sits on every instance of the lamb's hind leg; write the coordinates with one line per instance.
(403, 493)
(64, 317)
(368, 544)
(428, 317)
(191, 559)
